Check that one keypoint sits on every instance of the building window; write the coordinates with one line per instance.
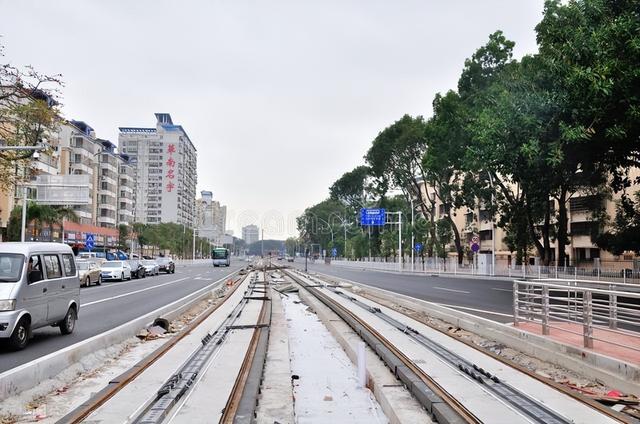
(485, 235)
(584, 203)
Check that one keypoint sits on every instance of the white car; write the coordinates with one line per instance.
(116, 270)
(151, 267)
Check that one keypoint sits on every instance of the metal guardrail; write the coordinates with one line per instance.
(591, 304)
(436, 265)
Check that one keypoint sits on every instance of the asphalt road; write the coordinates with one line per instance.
(488, 298)
(114, 303)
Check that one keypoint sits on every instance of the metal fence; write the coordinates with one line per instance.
(561, 304)
(451, 266)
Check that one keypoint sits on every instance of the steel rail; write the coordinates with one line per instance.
(115, 385)
(172, 392)
(610, 413)
(354, 322)
(239, 393)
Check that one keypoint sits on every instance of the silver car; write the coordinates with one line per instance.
(151, 267)
(39, 286)
(89, 273)
(116, 270)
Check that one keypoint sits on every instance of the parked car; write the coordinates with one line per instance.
(137, 269)
(39, 286)
(151, 267)
(116, 270)
(166, 265)
(89, 273)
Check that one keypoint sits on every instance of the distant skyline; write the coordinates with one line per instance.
(280, 98)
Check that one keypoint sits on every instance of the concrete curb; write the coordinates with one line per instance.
(30, 374)
(611, 371)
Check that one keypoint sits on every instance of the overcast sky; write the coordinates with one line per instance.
(279, 97)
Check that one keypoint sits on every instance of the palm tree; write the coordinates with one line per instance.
(40, 215)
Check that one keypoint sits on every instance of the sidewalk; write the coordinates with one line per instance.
(605, 342)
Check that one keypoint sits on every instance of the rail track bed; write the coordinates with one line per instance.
(453, 381)
(215, 370)
(202, 377)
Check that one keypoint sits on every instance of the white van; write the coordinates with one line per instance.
(39, 286)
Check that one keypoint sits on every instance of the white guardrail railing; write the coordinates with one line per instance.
(433, 265)
(612, 307)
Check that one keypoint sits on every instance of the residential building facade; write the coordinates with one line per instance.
(211, 218)
(250, 234)
(164, 162)
(581, 250)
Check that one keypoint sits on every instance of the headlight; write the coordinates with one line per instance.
(7, 305)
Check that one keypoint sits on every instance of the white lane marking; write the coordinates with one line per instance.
(504, 290)
(151, 315)
(475, 310)
(355, 283)
(106, 299)
(452, 290)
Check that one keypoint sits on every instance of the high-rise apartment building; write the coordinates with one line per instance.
(164, 164)
(126, 191)
(250, 234)
(211, 218)
(79, 150)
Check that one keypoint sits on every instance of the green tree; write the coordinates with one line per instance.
(395, 161)
(590, 50)
(123, 236)
(29, 114)
(352, 188)
(40, 215)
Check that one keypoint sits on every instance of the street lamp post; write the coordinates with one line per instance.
(412, 235)
(193, 254)
(330, 229)
(493, 229)
(35, 150)
(344, 225)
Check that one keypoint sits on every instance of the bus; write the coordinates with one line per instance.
(220, 256)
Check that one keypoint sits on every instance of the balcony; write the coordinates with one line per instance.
(106, 221)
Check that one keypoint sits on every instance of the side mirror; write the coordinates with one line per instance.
(34, 276)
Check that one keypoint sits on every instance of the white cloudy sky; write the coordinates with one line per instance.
(279, 97)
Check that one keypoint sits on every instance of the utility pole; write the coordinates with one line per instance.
(262, 244)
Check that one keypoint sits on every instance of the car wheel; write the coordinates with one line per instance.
(20, 336)
(122, 277)
(69, 322)
(87, 282)
(99, 282)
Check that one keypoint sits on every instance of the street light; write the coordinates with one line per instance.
(35, 150)
(330, 229)
(344, 225)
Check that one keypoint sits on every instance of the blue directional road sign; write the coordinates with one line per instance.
(418, 247)
(89, 241)
(334, 252)
(377, 216)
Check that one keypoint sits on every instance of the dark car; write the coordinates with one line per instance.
(137, 269)
(166, 265)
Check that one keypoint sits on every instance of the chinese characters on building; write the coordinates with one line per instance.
(171, 164)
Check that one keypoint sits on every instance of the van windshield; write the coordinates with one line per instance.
(10, 267)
